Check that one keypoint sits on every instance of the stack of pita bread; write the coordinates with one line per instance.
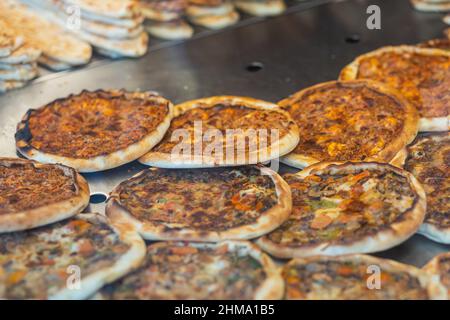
(112, 27)
(60, 50)
(261, 8)
(18, 60)
(164, 18)
(431, 5)
(212, 14)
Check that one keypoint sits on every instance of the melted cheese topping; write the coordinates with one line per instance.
(178, 271)
(345, 121)
(94, 124)
(207, 199)
(424, 80)
(333, 280)
(343, 207)
(23, 186)
(34, 264)
(429, 161)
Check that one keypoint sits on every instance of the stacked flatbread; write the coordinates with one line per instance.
(261, 8)
(212, 14)
(112, 27)
(165, 18)
(18, 60)
(431, 5)
(59, 48)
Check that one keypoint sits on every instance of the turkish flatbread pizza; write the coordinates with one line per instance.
(422, 75)
(224, 131)
(358, 277)
(350, 207)
(34, 194)
(94, 131)
(67, 260)
(428, 159)
(349, 120)
(210, 204)
(440, 266)
(182, 270)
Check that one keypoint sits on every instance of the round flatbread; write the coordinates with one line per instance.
(446, 19)
(170, 30)
(67, 260)
(349, 120)
(175, 270)
(431, 6)
(216, 21)
(440, 266)
(261, 8)
(351, 207)
(421, 75)
(8, 85)
(224, 131)
(162, 10)
(428, 159)
(198, 8)
(94, 131)
(202, 205)
(34, 194)
(355, 277)
(24, 54)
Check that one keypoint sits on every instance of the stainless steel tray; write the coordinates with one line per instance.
(310, 43)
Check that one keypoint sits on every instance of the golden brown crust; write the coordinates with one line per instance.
(34, 217)
(266, 222)
(397, 232)
(426, 123)
(435, 289)
(405, 136)
(98, 162)
(103, 253)
(281, 147)
(261, 8)
(439, 267)
(216, 21)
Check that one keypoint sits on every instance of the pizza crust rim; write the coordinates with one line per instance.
(129, 261)
(397, 233)
(435, 289)
(40, 216)
(267, 222)
(432, 267)
(407, 135)
(350, 72)
(273, 286)
(431, 231)
(284, 145)
(103, 162)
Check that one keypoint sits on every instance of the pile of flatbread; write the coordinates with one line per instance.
(60, 50)
(113, 27)
(18, 60)
(431, 5)
(165, 18)
(446, 19)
